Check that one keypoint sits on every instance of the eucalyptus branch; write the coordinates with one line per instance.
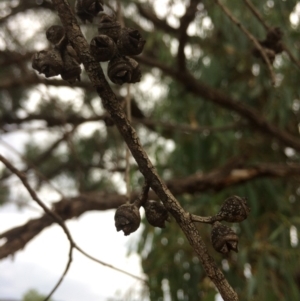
(112, 105)
(220, 98)
(185, 21)
(251, 38)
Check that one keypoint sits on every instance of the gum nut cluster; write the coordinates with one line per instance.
(128, 218)
(60, 60)
(223, 238)
(234, 210)
(116, 45)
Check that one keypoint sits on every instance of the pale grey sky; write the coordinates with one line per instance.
(43, 260)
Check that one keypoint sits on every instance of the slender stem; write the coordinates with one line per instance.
(251, 38)
(127, 170)
(205, 219)
(109, 265)
(143, 196)
(257, 14)
(64, 273)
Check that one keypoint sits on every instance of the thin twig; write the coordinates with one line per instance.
(251, 38)
(257, 14)
(183, 37)
(127, 171)
(143, 196)
(109, 265)
(119, 13)
(34, 196)
(127, 99)
(186, 128)
(205, 219)
(199, 88)
(64, 273)
(30, 164)
(73, 151)
(56, 217)
(291, 55)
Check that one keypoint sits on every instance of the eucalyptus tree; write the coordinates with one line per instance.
(213, 96)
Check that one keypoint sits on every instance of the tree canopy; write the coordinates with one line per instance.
(217, 111)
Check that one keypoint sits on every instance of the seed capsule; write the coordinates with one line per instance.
(109, 26)
(156, 213)
(124, 70)
(103, 48)
(55, 34)
(130, 42)
(234, 210)
(71, 70)
(48, 62)
(127, 218)
(223, 238)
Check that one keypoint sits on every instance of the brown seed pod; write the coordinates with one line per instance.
(124, 70)
(55, 34)
(234, 210)
(109, 26)
(130, 42)
(86, 10)
(103, 48)
(272, 44)
(48, 62)
(127, 218)
(156, 213)
(71, 69)
(224, 238)
(273, 39)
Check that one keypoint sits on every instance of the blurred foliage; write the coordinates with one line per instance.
(33, 295)
(92, 156)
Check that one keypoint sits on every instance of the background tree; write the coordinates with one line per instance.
(33, 295)
(207, 114)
